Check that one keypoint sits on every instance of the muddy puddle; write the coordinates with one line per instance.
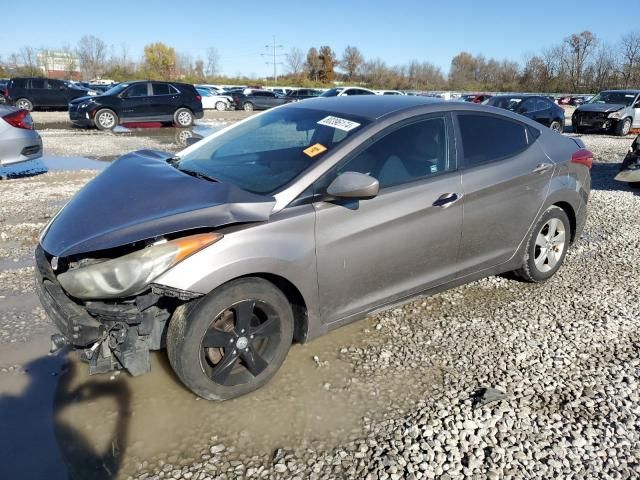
(87, 426)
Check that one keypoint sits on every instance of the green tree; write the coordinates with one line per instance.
(160, 60)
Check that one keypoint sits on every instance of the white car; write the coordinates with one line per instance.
(389, 92)
(211, 101)
(347, 91)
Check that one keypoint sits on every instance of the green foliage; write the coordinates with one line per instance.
(159, 61)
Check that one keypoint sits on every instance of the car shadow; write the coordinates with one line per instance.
(602, 178)
(38, 442)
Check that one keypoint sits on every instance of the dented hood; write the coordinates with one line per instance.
(141, 196)
(600, 107)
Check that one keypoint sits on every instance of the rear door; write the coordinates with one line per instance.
(376, 251)
(505, 180)
(136, 104)
(164, 101)
(38, 92)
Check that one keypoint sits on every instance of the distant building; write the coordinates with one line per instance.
(59, 64)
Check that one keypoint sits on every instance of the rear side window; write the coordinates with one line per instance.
(19, 83)
(163, 89)
(487, 138)
(542, 104)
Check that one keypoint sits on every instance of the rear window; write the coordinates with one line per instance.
(487, 138)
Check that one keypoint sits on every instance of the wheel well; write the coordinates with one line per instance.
(568, 209)
(296, 300)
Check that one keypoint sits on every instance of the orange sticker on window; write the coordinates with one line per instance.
(314, 150)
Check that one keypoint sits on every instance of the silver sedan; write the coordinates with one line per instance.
(19, 142)
(299, 220)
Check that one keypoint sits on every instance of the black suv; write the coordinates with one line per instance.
(143, 101)
(28, 93)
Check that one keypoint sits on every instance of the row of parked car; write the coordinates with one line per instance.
(614, 111)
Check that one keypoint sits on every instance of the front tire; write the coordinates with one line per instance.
(623, 127)
(547, 246)
(556, 126)
(105, 119)
(248, 107)
(221, 106)
(24, 104)
(232, 341)
(183, 117)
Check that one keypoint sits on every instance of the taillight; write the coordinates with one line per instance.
(198, 98)
(19, 119)
(583, 157)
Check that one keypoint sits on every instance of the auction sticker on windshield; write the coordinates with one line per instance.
(339, 123)
(314, 150)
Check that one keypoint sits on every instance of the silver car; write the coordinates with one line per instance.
(614, 111)
(297, 221)
(19, 142)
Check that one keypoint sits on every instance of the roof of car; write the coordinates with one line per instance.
(635, 92)
(366, 106)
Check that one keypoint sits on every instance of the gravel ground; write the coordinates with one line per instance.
(536, 381)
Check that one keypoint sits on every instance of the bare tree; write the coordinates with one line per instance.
(212, 61)
(26, 61)
(92, 56)
(295, 61)
(351, 60)
(630, 52)
(579, 47)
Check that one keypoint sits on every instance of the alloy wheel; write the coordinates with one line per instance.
(106, 120)
(550, 245)
(184, 119)
(240, 343)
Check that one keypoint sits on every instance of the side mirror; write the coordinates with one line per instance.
(354, 185)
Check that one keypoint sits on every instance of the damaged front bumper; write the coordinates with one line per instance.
(110, 335)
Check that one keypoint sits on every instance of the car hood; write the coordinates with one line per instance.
(141, 196)
(600, 107)
(78, 100)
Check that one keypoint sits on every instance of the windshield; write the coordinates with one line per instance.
(622, 98)
(117, 89)
(204, 92)
(333, 92)
(268, 151)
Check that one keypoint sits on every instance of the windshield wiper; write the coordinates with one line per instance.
(201, 175)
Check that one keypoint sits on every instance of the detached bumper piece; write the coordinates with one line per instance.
(630, 167)
(110, 335)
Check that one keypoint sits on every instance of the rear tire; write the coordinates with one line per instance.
(232, 341)
(556, 126)
(248, 107)
(105, 119)
(183, 117)
(546, 246)
(623, 127)
(221, 106)
(24, 104)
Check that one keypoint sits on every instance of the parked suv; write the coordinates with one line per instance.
(27, 93)
(143, 101)
(615, 111)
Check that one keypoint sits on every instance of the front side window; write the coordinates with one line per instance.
(486, 138)
(54, 84)
(411, 152)
(137, 90)
(37, 83)
(268, 151)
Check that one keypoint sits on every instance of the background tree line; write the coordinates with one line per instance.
(579, 63)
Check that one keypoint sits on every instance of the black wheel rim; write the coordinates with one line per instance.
(240, 343)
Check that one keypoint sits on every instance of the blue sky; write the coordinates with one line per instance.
(396, 31)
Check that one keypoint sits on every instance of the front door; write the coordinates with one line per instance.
(164, 101)
(38, 93)
(505, 180)
(135, 103)
(377, 251)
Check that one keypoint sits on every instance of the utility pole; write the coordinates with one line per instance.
(274, 48)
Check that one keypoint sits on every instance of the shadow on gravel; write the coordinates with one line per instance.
(602, 178)
(37, 442)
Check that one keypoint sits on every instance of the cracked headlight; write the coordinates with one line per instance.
(617, 115)
(127, 275)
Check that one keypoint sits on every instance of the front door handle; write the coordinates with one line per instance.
(542, 167)
(447, 200)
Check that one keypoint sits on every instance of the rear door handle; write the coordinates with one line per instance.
(447, 200)
(542, 167)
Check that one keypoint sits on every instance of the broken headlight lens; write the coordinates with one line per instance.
(619, 114)
(130, 273)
